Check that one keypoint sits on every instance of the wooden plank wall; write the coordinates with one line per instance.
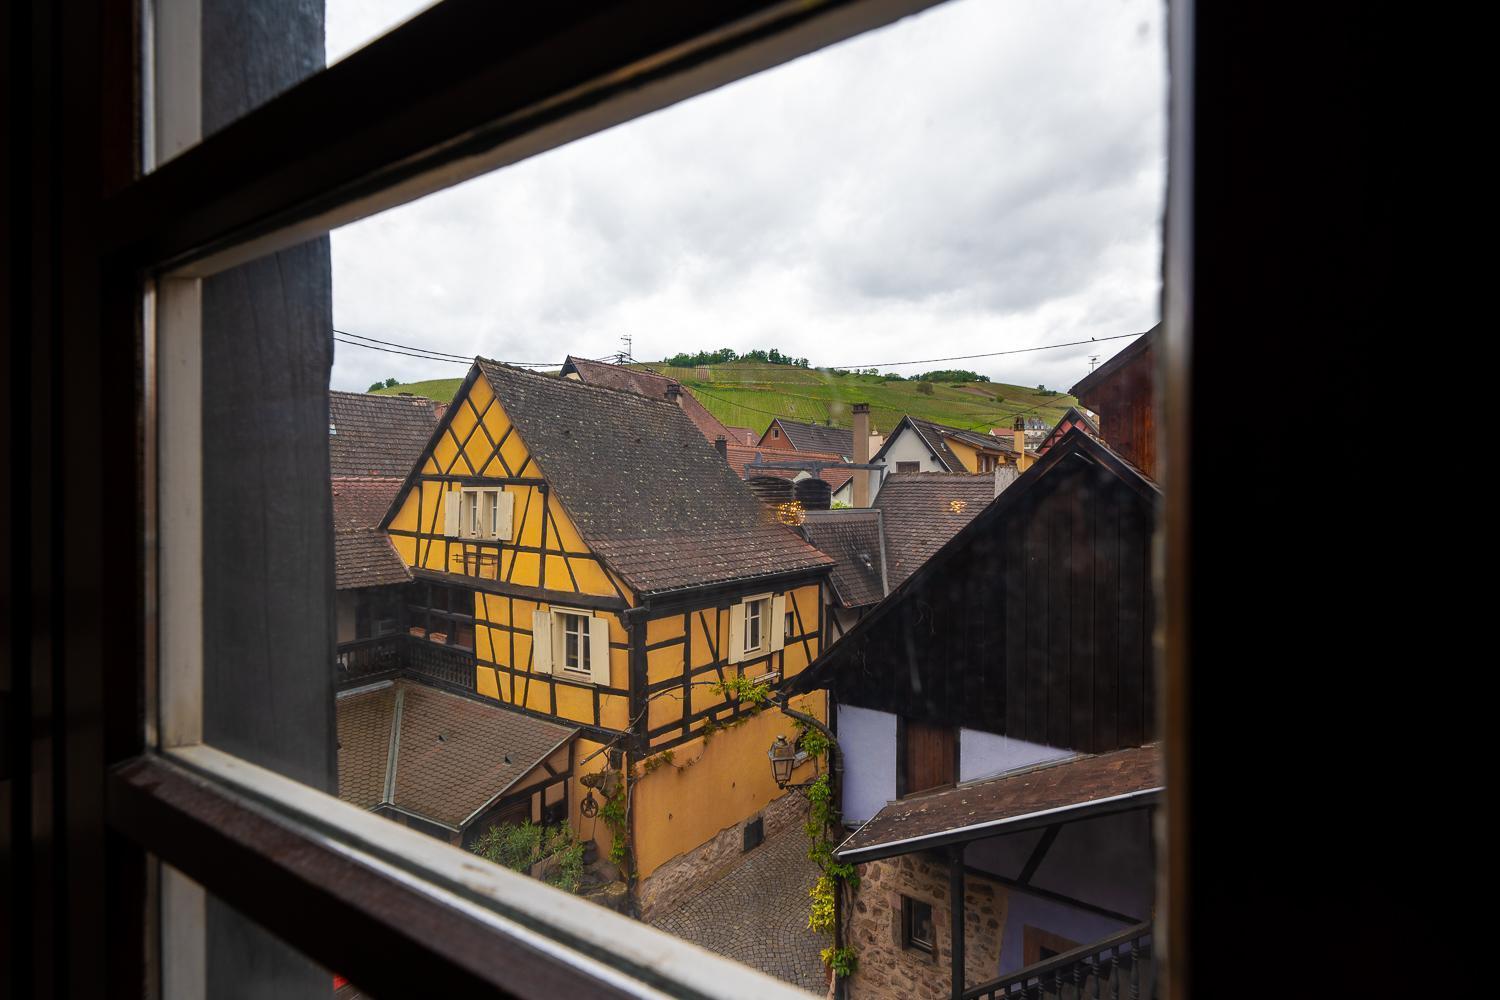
(1040, 630)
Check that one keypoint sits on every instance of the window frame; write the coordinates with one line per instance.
(909, 939)
(560, 618)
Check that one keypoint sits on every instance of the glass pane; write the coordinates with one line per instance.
(965, 204)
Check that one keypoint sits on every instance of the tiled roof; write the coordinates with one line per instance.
(990, 807)
(453, 755)
(922, 510)
(1073, 418)
(740, 456)
(359, 502)
(647, 492)
(852, 538)
(372, 435)
(362, 554)
(647, 384)
(819, 437)
(366, 559)
(742, 435)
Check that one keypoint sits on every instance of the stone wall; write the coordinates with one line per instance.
(674, 880)
(886, 969)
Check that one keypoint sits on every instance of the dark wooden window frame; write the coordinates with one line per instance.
(87, 800)
(909, 939)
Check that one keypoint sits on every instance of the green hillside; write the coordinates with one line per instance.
(749, 394)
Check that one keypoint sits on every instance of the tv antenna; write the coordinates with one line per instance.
(626, 357)
(1093, 360)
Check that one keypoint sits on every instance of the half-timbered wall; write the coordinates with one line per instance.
(477, 445)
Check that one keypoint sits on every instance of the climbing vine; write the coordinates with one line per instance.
(744, 690)
(821, 817)
(613, 814)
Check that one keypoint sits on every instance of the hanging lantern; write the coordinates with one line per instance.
(783, 758)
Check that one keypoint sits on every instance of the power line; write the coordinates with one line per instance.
(409, 354)
(409, 347)
(991, 354)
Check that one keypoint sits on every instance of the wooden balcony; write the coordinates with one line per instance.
(391, 656)
(1118, 968)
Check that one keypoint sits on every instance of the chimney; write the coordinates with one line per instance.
(1019, 437)
(721, 445)
(862, 454)
(1004, 476)
(674, 393)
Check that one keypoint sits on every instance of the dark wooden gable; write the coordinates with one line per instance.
(1123, 392)
(1034, 621)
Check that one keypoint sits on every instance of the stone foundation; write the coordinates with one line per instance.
(873, 927)
(675, 880)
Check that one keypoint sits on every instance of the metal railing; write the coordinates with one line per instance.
(1119, 967)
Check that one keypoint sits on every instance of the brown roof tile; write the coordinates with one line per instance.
(366, 559)
(649, 384)
(647, 492)
(359, 502)
(372, 435)
(455, 755)
(852, 538)
(982, 808)
(922, 510)
(739, 456)
(819, 437)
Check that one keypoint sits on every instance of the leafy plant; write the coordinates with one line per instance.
(516, 846)
(842, 961)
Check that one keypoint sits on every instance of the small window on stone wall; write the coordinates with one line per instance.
(916, 925)
(755, 832)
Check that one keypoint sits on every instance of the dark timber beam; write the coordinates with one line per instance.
(1039, 853)
(956, 915)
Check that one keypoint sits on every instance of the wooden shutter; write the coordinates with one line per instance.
(931, 757)
(452, 512)
(505, 515)
(778, 621)
(541, 642)
(736, 633)
(599, 650)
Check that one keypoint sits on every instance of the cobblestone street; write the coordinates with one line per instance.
(756, 913)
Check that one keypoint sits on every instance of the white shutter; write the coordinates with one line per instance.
(505, 515)
(599, 650)
(778, 621)
(541, 642)
(452, 513)
(736, 633)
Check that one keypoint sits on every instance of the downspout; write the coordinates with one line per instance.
(835, 784)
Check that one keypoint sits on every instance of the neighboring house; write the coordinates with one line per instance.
(607, 572)
(1123, 392)
(921, 510)
(995, 716)
(449, 764)
(749, 463)
(741, 435)
(855, 541)
(1036, 432)
(373, 441)
(649, 384)
(1073, 418)
(916, 445)
(792, 435)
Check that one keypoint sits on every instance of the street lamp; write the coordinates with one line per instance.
(783, 758)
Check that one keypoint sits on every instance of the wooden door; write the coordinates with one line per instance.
(931, 757)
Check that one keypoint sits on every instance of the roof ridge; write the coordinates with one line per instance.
(573, 383)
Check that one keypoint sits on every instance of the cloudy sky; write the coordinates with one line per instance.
(985, 176)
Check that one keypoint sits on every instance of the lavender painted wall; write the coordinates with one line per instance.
(868, 741)
(984, 755)
(1108, 861)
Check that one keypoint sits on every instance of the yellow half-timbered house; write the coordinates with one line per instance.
(590, 559)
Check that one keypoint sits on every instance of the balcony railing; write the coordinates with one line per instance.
(368, 659)
(391, 655)
(1118, 968)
